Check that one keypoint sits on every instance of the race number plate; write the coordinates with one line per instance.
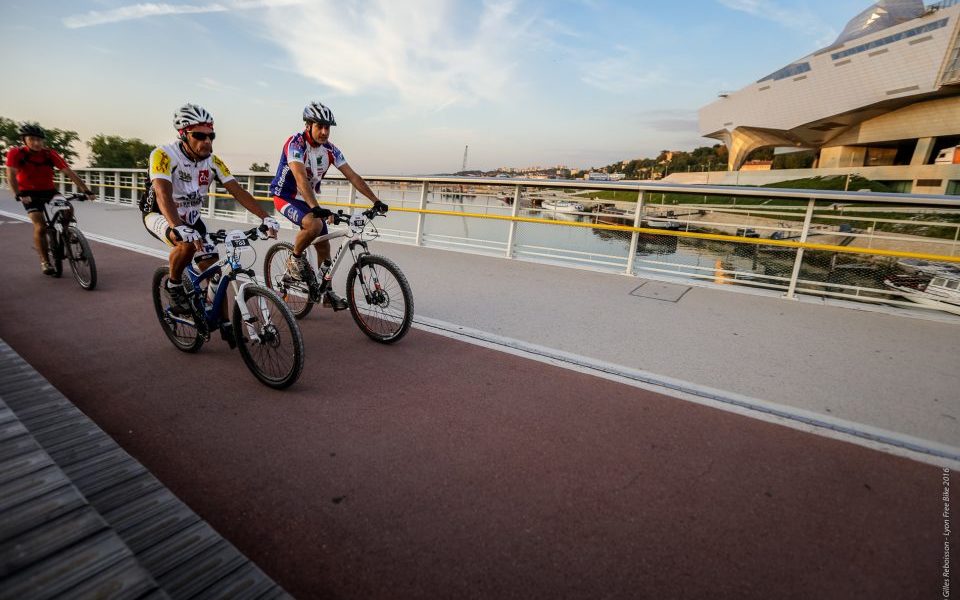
(357, 220)
(236, 239)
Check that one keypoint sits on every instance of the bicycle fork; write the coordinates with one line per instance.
(249, 320)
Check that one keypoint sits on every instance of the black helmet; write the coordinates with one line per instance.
(32, 130)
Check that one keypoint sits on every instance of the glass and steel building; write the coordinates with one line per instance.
(886, 93)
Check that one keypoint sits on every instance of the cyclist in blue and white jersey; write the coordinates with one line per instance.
(305, 159)
(180, 176)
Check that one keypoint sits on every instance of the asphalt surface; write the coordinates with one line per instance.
(438, 469)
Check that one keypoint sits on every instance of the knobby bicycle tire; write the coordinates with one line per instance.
(54, 252)
(382, 320)
(277, 359)
(82, 263)
(188, 339)
(273, 272)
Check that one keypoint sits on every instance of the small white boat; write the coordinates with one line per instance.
(934, 285)
(667, 222)
(562, 206)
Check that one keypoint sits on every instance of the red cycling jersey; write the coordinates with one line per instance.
(35, 169)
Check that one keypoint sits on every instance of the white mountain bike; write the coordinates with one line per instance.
(378, 294)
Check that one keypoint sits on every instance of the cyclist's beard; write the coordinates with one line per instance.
(199, 154)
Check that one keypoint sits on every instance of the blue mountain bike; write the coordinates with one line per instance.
(261, 327)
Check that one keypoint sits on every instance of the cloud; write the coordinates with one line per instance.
(155, 9)
(213, 85)
(620, 73)
(797, 19)
(670, 120)
(438, 54)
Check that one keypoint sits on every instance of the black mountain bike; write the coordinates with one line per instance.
(65, 240)
(379, 296)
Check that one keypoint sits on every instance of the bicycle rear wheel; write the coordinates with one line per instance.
(183, 336)
(380, 298)
(276, 358)
(82, 264)
(54, 252)
(295, 293)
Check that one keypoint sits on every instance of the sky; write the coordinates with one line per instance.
(580, 83)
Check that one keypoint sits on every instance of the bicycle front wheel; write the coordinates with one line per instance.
(270, 341)
(184, 337)
(54, 253)
(293, 291)
(81, 259)
(380, 298)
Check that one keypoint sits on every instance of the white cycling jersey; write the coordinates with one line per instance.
(191, 179)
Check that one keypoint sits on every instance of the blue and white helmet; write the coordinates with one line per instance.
(316, 112)
(191, 114)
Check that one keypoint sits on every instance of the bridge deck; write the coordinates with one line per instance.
(436, 468)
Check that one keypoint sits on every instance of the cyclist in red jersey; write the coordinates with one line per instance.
(30, 173)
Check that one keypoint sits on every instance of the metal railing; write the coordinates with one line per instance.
(824, 243)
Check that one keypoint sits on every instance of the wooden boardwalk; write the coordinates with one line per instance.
(80, 518)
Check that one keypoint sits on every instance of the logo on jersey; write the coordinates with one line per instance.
(184, 176)
(224, 171)
(160, 163)
(204, 176)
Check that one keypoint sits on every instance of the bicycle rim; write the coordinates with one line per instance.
(380, 299)
(184, 337)
(54, 257)
(276, 357)
(293, 292)
(81, 259)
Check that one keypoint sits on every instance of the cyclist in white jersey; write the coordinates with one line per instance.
(304, 160)
(180, 177)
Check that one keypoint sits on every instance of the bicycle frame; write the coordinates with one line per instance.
(213, 316)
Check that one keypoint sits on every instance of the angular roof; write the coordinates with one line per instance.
(883, 14)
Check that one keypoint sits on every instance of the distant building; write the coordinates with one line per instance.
(597, 176)
(757, 165)
(886, 93)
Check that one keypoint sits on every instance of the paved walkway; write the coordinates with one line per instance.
(436, 468)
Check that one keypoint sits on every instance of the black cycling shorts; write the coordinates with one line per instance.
(38, 198)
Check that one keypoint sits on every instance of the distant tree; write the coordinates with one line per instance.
(115, 152)
(60, 140)
(8, 136)
(260, 168)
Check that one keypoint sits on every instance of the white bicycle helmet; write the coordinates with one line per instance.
(191, 114)
(318, 113)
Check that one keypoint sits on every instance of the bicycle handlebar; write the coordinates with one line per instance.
(342, 217)
(219, 236)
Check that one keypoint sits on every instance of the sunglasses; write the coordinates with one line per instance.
(202, 137)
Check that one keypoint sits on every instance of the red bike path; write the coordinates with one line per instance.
(439, 469)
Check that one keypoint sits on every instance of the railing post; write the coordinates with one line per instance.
(420, 217)
(352, 198)
(803, 239)
(102, 194)
(116, 187)
(134, 187)
(514, 211)
(635, 236)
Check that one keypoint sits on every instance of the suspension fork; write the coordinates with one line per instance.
(239, 290)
